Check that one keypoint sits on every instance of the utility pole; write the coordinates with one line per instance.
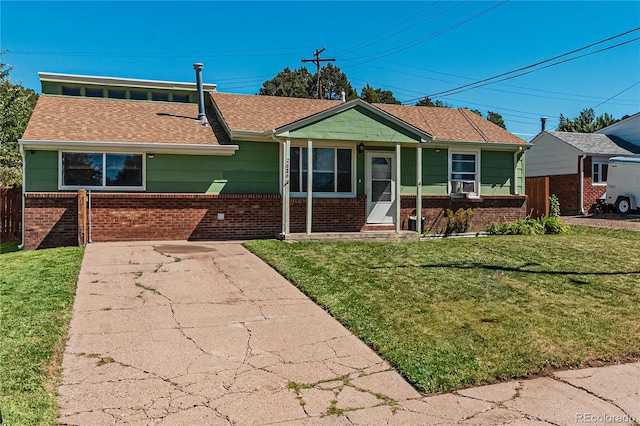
(317, 61)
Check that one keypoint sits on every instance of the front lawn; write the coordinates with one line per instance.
(37, 289)
(453, 313)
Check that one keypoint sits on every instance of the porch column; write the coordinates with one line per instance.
(419, 188)
(398, 188)
(309, 185)
(286, 177)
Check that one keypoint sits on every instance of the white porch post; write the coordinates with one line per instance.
(286, 187)
(419, 188)
(398, 188)
(309, 185)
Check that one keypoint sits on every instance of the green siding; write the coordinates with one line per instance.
(41, 171)
(355, 124)
(253, 169)
(496, 173)
(434, 171)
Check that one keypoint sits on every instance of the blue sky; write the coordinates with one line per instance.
(412, 48)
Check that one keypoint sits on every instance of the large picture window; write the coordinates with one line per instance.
(101, 170)
(464, 173)
(332, 170)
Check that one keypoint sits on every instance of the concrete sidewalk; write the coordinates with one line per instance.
(180, 333)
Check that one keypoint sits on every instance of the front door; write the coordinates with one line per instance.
(381, 187)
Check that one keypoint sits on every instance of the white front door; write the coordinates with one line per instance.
(381, 187)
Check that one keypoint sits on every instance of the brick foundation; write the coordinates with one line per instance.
(488, 209)
(52, 218)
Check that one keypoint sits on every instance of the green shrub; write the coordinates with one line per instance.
(554, 206)
(460, 221)
(544, 225)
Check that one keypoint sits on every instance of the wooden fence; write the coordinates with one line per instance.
(11, 213)
(537, 189)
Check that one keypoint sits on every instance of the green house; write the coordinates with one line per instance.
(112, 159)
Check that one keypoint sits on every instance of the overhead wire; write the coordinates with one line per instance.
(617, 94)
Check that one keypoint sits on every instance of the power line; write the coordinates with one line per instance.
(393, 51)
(620, 93)
(478, 83)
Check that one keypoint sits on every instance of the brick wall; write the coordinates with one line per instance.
(591, 192)
(567, 189)
(51, 220)
(488, 209)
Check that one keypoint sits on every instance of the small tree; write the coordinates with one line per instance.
(377, 96)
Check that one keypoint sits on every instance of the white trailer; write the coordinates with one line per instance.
(623, 183)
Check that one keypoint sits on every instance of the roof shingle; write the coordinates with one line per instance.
(595, 143)
(57, 118)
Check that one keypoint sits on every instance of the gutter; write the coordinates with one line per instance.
(581, 203)
(136, 147)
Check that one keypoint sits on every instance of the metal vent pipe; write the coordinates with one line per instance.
(201, 115)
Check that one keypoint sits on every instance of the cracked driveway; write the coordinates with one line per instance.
(182, 333)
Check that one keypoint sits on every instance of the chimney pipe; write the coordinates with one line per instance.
(543, 123)
(343, 96)
(201, 115)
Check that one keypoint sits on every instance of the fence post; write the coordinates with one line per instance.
(82, 217)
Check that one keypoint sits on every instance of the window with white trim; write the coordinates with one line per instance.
(599, 172)
(332, 170)
(463, 175)
(100, 170)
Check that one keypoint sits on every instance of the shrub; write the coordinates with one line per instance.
(544, 225)
(460, 221)
(554, 206)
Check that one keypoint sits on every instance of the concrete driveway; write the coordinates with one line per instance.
(190, 333)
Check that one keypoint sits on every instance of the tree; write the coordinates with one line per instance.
(16, 106)
(334, 82)
(378, 96)
(586, 122)
(302, 84)
(426, 101)
(293, 84)
(495, 118)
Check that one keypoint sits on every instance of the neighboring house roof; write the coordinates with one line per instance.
(627, 129)
(597, 144)
(262, 114)
(59, 118)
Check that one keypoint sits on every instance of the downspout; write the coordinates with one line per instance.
(581, 204)
(24, 181)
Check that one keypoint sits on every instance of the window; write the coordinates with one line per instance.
(332, 170)
(116, 94)
(93, 92)
(180, 98)
(160, 96)
(101, 170)
(138, 95)
(70, 91)
(599, 173)
(464, 173)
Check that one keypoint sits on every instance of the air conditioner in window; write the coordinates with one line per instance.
(465, 187)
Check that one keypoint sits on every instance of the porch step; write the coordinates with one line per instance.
(354, 236)
(377, 227)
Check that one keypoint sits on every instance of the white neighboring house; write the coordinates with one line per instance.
(627, 129)
(577, 163)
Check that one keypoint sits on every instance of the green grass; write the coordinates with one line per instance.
(454, 313)
(9, 246)
(37, 289)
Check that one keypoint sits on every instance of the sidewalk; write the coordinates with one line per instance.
(190, 333)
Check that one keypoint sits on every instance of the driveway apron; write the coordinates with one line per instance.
(201, 333)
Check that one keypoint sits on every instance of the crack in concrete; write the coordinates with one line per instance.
(601, 398)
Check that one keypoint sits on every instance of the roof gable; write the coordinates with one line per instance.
(357, 121)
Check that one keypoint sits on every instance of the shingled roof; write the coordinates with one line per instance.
(594, 143)
(61, 118)
(261, 114)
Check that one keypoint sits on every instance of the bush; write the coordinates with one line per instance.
(554, 206)
(544, 225)
(460, 221)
